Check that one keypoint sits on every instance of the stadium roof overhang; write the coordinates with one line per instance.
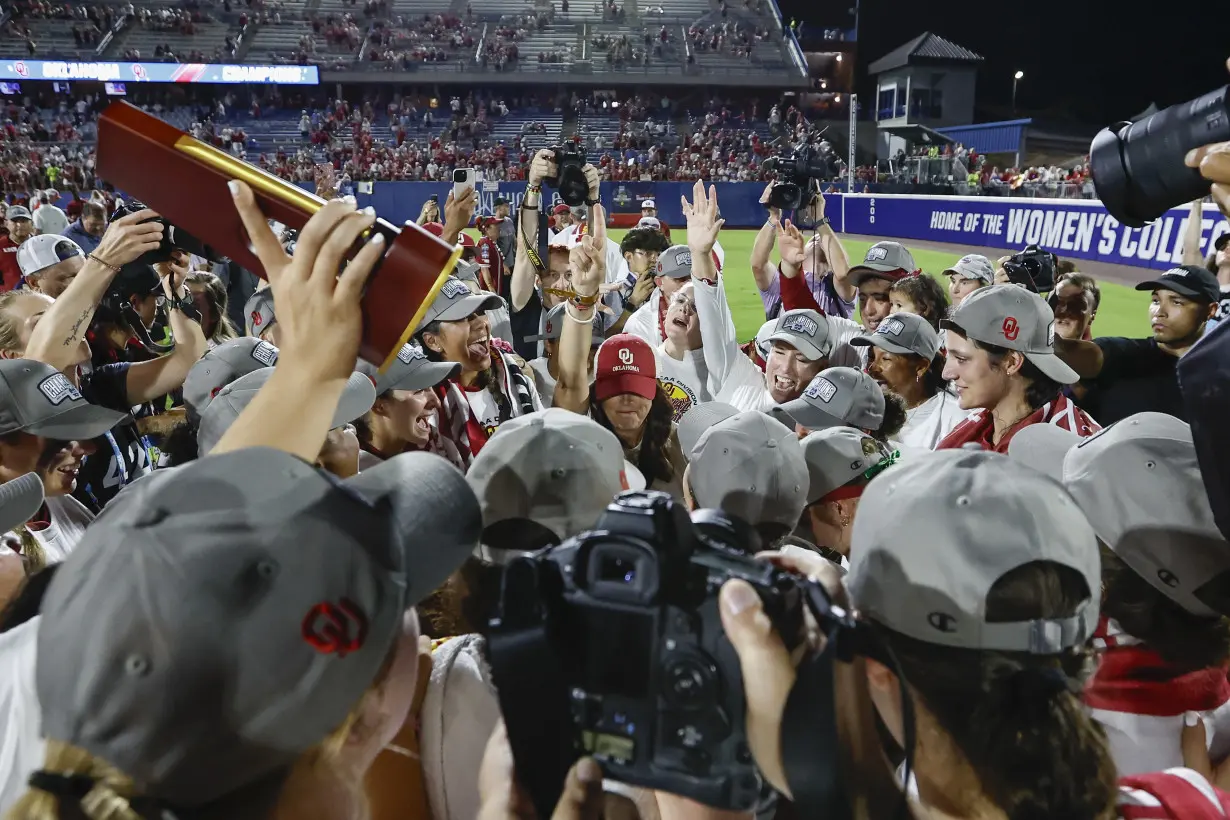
(1006, 137)
(918, 134)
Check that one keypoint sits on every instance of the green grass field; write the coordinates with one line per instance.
(1123, 311)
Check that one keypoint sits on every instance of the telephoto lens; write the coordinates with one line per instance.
(1138, 168)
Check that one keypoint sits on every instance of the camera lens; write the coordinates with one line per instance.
(1138, 168)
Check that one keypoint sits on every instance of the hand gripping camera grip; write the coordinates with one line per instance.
(184, 180)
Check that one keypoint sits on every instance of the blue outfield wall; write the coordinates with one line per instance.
(1080, 229)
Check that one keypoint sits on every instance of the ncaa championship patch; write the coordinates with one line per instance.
(58, 389)
(821, 389)
(801, 324)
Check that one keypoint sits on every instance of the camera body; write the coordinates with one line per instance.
(1033, 268)
(172, 238)
(795, 171)
(630, 612)
(569, 179)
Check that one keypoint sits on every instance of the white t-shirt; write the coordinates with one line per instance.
(50, 219)
(69, 518)
(643, 322)
(685, 381)
(543, 381)
(928, 423)
(21, 743)
(733, 378)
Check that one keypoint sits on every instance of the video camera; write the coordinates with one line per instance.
(1032, 268)
(172, 238)
(795, 172)
(611, 644)
(569, 179)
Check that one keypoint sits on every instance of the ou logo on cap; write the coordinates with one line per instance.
(335, 628)
(1011, 329)
(625, 355)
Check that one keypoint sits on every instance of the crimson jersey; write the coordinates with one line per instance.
(489, 257)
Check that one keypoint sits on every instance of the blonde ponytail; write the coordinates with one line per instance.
(107, 800)
(33, 556)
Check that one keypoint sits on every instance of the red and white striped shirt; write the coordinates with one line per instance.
(1175, 794)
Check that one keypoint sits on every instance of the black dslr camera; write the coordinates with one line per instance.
(1033, 268)
(569, 179)
(795, 172)
(172, 238)
(611, 644)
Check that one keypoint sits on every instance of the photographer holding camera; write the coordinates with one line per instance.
(826, 266)
(539, 284)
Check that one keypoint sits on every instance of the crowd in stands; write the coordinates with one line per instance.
(427, 39)
(734, 37)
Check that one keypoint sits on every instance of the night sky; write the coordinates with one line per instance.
(1102, 62)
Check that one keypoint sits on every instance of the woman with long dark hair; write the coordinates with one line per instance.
(209, 295)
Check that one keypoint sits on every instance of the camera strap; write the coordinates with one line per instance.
(534, 700)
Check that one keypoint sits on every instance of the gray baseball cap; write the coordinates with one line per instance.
(553, 466)
(41, 252)
(357, 398)
(410, 370)
(17, 212)
(221, 366)
(36, 398)
(750, 466)
(20, 500)
(836, 396)
(979, 516)
(1138, 482)
(1042, 447)
(675, 262)
(973, 266)
(1014, 318)
(699, 418)
(805, 330)
(455, 302)
(884, 260)
(225, 616)
(258, 312)
(553, 328)
(903, 333)
(837, 456)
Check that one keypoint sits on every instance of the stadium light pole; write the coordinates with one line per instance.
(1016, 78)
(853, 142)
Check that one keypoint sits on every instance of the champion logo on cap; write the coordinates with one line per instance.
(821, 389)
(265, 353)
(1176, 272)
(410, 353)
(801, 324)
(876, 254)
(454, 289)
(683, 258)
(57, 388)
(891, 327)
(1050, 335)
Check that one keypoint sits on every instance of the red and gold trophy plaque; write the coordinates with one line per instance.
(184, 180)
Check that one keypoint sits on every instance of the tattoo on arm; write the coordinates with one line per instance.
(74, 333)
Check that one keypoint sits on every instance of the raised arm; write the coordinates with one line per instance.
(588, 264)
(763, 269)
(319, 313)
(157, 377)
(522, 285)
(56, 337)
(718, 342)
(834, 251)
(1192, 254)
(795, 292)
(457, 215)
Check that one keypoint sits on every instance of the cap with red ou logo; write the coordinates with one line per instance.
(1012, 317)
(625, 364)
(294, 604)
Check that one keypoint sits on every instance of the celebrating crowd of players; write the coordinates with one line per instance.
(227, 542)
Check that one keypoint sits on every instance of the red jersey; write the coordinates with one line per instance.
(489, 257)
(10, 273)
